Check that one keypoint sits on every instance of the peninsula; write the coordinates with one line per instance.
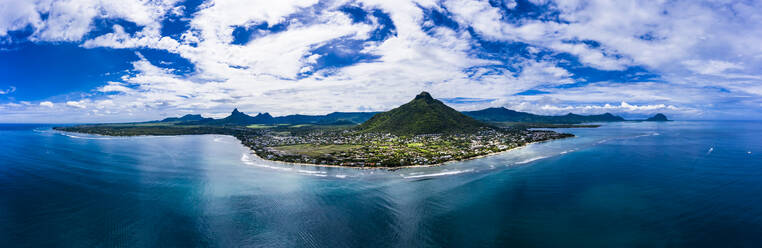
(423, 131)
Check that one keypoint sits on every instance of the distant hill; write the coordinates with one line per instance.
(187, 117)
(332, 118)
(501, 115)
(239, 118)
(422, 115)
(658, 117)
(573, 118)
(506, 115)
(236, 118)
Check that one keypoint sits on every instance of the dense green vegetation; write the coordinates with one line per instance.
(388, 150)
(422, 115)
(335, 118)
(339, 144)
(315, 150)
(145, 129)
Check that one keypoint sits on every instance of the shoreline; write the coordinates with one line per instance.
(397, 167)
(330, 165)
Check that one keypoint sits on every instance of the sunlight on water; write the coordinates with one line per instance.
(623, 184)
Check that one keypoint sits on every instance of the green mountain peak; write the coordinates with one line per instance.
(422, 115)
(424, 95)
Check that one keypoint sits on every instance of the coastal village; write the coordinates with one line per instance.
(347, 148)
(423, 131)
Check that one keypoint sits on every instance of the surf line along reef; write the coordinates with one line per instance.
(421, 132)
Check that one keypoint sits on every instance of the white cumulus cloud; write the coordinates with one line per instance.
(77, 104)
(48, 104)
(705, 55)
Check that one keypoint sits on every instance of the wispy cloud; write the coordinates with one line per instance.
(10, 89)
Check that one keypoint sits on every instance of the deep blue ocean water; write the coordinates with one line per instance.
(675, 184)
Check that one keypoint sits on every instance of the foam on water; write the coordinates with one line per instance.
(567, 151)
(86, 137)
(438, 174)
(247, 160)
(529, 160)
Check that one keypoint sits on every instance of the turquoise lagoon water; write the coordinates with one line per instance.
(675, 184)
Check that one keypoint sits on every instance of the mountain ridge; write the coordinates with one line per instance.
(502, 114)
(493, 114)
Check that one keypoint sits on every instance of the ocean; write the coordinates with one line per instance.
(628, 184)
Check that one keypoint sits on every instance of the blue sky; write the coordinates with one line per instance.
(111, 60)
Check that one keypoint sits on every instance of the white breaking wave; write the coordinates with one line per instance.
(43, 130)
(603, 141)
(443, 173)
(568, 151)
(312, 173)
(531, 160)
(631, 137)
(246, 160)
(103, 137)
(82, 137)
(317, 175)
(646, 135)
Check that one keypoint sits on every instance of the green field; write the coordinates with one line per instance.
(301, 125)
(258, 126)
(315, 150)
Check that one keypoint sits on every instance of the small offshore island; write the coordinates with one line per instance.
(421, 132)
